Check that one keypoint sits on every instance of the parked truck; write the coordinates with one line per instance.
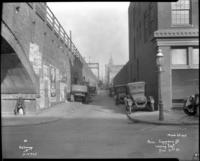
(79, 93)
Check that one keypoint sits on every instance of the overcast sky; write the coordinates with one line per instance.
(99, 29)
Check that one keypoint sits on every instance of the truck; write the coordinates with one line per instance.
(79, 93)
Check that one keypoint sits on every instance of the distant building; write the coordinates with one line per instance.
(173, 28)
(110, 71)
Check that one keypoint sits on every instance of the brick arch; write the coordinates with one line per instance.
(25, 68)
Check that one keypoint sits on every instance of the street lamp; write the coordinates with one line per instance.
(159, 60)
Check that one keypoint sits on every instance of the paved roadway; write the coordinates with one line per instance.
(99, 130)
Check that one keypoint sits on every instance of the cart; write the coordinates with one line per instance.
(136, 99)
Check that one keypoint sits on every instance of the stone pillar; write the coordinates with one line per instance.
(166, 79)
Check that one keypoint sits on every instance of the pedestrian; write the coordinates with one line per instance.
(19, 107)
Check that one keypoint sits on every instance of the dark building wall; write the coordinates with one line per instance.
(14, 77)
(131, 21)
(76, 71)
(142, 48)
(122, 76)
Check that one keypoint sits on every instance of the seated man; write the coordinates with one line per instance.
(19, 108)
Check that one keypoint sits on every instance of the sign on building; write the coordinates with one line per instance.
(35, 57)
(53, 82)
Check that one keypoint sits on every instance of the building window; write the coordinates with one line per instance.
(181, 12)
(179, 56)
(195, 56)
(184, 58)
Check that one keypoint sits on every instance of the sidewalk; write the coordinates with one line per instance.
(173, 117)
(47, 115)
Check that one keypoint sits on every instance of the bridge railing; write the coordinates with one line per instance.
(60, 32)
(53, 23)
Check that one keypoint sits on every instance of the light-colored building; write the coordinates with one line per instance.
(110, 71)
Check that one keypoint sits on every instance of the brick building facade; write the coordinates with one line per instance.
(173, 28)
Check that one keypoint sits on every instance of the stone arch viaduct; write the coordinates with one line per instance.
(39, 61)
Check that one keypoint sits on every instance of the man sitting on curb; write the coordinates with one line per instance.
(19, 108)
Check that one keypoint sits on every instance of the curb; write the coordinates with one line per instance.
(159, 123)
(31, 123)
(24, 123)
